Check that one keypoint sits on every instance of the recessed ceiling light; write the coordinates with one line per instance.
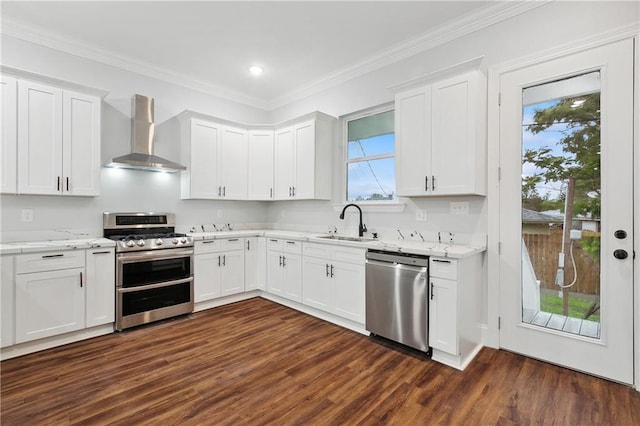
(256, 70)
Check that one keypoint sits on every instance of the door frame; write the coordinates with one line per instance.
(491, 337)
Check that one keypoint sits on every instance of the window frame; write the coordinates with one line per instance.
(345, 160)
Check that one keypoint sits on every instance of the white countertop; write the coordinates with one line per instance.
(52, 245)
(428, 248)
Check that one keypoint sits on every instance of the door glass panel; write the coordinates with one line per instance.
(561, 195)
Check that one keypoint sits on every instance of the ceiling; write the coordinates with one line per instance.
(210, 45)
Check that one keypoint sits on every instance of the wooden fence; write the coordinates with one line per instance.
(543, 251)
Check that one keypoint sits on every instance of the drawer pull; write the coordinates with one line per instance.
(48, 256)
(441, 261)
(274, 241)
(101, 252)
(291, 242)
(209, 242)
(234, 239)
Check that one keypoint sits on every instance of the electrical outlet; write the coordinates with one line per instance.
(27, 215)
(219, 213)
(459, 208)
(421, 215)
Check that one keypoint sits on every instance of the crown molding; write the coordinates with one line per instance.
(471, 23)
(498, 12)
(71, 46)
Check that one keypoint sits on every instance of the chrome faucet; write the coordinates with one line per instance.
(362, 228)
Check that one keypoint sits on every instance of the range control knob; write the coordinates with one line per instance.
(140, 243)
(183, 240)
(130, 243)
(159, 242)
(174, 241)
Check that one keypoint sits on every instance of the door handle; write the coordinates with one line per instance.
(331, 274)
(326, 269)
(283, 258)
(620, 234)
(426, 183)
(433, 183)
(224, 260)
(431, 291)
(219, 261)
(67, 183)
(80, 279)
(620, 254)
(280, 257)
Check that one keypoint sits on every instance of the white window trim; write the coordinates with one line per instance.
(390, 206)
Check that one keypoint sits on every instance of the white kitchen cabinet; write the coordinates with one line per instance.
(200, 154)
(7, 291)
(334, 280)
(49, 294)
(454, 309)
(218, 268)
(100, 286)
(260, 165)
(255, 256)
(9, 141)
(216, 159)
(284, 268)
(233, 160)
(58, 141)
(303, 160)
(440, 148)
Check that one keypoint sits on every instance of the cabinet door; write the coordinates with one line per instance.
(304, 168)
(413, 142)
(233, 163)
(284, 163)
(39, 139)
(260, 165)
(232, 273)
(7, 290)
(275, 283)
(49, 303)
(206, 273)
(292, 277)
(453, 138)
(349, 290)
(443, 315)
(255, 259)
(317, 287)
(9, 141)
(100, 287)
(202, 174)
(81, 144)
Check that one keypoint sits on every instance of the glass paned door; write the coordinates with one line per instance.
(561, 198)
(566, 211)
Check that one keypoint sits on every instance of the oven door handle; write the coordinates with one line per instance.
(153, 255)
(152, 286)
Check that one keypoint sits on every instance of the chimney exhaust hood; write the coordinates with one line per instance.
(142, 127)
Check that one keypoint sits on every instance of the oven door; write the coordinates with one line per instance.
(153, 285)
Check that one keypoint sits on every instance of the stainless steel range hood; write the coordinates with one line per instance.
(142, 127)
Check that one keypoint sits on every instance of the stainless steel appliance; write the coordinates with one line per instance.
(397, 305)
(154, 267)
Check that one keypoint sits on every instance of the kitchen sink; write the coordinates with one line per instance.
(346, 238)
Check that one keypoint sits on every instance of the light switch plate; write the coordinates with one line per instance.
(459, 208)
(421, 215)
(27, 215)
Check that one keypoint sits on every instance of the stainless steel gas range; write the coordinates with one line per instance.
(154, 267)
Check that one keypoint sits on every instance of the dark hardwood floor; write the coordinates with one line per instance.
(256, 362)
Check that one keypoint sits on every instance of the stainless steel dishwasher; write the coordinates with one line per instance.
(397, 305)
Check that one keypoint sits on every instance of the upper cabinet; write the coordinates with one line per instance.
(8, 109)
(216, 159)
(287, 162)
(51, 141)
(440, 144)
(303, 158)
(260, 165)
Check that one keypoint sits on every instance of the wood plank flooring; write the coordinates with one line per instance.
(256, 362)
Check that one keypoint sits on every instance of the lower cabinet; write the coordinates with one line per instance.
(443, 318)
(101, 276)
(284, 268)
(219, 268)
(49, 303)
(255, 260)
(7, 308)
(333, 280)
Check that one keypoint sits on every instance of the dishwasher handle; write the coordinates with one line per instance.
(396, 265)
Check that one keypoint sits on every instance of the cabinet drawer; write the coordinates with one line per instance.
(274, 244)
(443, 268)
(348, 255)
(49, 261)
(232, 244)
(317, 250)
(290, 246)
(208, 246)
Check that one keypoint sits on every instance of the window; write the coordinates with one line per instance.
(371, 166)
